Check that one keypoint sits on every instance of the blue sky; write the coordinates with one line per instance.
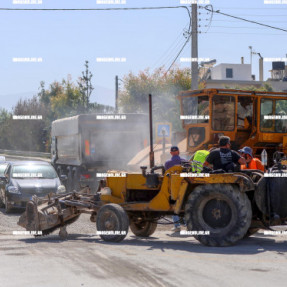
(146, 38)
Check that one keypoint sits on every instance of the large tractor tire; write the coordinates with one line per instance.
(112, 222)
(2, 198)
(143, 228)
(220, 209)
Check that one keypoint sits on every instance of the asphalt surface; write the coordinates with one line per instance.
(165, 259)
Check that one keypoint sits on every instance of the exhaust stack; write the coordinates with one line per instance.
(151, 154)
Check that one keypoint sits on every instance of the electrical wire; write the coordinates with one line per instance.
(187, 40)
(210, 20)
(169, 57)
(174, 46)
(236, 21)
(237, 8)
(111, 9)
(243, 19)
(234, 33)
(95, 9)
(236, 27)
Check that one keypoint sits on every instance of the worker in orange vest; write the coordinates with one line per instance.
(251, 162)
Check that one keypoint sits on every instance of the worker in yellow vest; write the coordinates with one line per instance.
(198, 159)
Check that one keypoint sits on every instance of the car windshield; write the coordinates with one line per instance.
(3, 166)
(33, 171)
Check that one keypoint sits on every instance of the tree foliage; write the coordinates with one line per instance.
(164, 87)
(59, 100)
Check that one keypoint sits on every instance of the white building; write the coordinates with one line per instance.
(231, 72)
(239, 76)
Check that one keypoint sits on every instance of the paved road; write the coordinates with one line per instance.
(162, 260)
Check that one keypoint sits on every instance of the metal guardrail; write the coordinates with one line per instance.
(25, 153)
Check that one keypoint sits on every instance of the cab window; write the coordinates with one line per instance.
(196, 107)
(223, 113)
(244, 112)
(273, 116)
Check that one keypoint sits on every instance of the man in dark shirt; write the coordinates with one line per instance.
(223, 157)
(175, 159)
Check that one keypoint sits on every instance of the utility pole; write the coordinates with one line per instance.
(251, 53)
(261, 71)
(194, 48)
(117, 94)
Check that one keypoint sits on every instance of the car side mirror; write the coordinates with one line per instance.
(63, 177)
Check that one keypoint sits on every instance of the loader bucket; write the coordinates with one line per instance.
(47, 217)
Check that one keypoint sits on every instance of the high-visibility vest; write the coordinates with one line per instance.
(254, 164)
(198, 160)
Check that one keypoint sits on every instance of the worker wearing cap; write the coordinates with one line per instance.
(251, 162)
(175, 160)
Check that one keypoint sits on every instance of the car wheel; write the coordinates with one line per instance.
(8, 206)
(2, 198)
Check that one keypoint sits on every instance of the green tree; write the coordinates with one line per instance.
(164, 87)
(61, 99)
(5, 118)
(27, 134)
(86, 87)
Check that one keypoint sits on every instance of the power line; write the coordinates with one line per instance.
(95, 9)
(238, 33)
(174, 46)
(237, 8)
(236, 21)
(236, 27)
(243, 19)
(110, 9)
(251, 15)
(260, 15)
(187, 40)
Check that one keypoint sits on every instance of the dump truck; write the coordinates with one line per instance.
(85, 145)
(219, 208)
